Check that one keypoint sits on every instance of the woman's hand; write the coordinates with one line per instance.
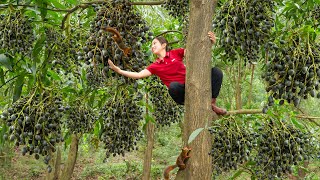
(113, 67)
(212, 37)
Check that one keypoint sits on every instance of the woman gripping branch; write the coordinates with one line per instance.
(169, 67)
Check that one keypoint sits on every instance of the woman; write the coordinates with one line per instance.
(169, 67)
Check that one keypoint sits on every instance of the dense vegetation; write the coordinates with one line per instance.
(55, 81)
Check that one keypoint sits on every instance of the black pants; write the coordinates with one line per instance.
(177, 90)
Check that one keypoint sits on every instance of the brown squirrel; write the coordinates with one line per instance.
(118, 39)
(181, 162)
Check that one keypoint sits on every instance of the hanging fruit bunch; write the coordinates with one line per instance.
(232, 145)
(79, 118)
(281, 146)
(179, 9)
(64, 50)
(16, 35)
(117, 33)
(166, 111)
(315, 13)
(121, 122)
(34, 124)
(242, 27)
(293, 71)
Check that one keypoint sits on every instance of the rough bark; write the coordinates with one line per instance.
(198, 90)
(72, 157)
(57, 166)
(148, 152)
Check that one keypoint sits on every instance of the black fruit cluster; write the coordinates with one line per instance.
(178, 8)
(280, 147)
(166, 111)
(242, 27)
(121, 123)
(232, 145)
(97, 76)
(79, 119)
(34, 124)
(16, 35)
(100, 47)
(64, 50)
(316, 13)
(293, 72)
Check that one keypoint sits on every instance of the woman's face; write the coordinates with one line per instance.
(157, 47)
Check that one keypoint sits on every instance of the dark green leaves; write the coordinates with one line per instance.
(5, 61)
(18, 87)
(38, 47)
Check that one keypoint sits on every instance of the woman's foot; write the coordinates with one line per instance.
(216, 109)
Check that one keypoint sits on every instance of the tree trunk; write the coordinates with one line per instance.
(72, 157)
(251, 84)
(148, 152)
(55, 164)
(198, 90)
(238, 88)
(57, 167)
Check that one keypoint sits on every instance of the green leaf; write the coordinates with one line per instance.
(57, 4)
(2, 76)
(72, 2)
(296, 123)
(42, 7)
(38, 47)
(18, 87)
(5, 61)
(53, 75)
(68, 90)
(194, 134)
(91, 100)
(237, 174)
(148, 118)
(250, 163)
(97, 128)
(67, 139)
(297, 5)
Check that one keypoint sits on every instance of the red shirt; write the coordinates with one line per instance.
(171, 68)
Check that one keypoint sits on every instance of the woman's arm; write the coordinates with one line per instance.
(134, 75)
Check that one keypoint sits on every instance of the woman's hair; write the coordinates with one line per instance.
(162, 40)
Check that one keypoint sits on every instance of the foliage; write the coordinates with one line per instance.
(54, 79)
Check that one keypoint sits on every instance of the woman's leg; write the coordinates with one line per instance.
(177, 91)
(216, 82)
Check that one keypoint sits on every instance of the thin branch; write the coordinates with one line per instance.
(244, 111)
(259, 111)
(83, 6)
(32, 6)
(169, 31)
(309, 118)
(148, 3)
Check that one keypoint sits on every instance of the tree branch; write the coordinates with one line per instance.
(165, 32)
(83, 6)
(244, 111)
(32, 6)
(259, 111)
